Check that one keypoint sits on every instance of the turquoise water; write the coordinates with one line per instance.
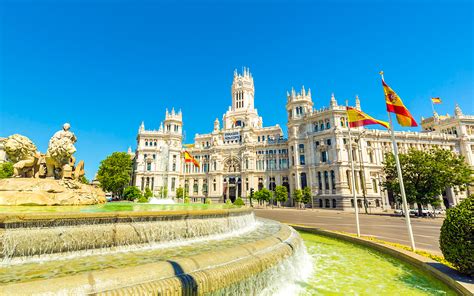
(342, 268)
(113, 207)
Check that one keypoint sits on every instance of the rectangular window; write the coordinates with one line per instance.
(148, 166)
(324, 156)
(320, 181)
(302, 162)
(173, 183)
(301, 147)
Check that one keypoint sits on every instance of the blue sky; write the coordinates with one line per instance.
(104, 66)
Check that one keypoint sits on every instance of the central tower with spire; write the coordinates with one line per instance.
(242, 112)
(243, 90)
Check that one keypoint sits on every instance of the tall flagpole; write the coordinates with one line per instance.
(354, 196)
(184, 176)
(400, 179)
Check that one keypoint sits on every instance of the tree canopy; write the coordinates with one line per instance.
(132, 193)
(306, 195)
(263, 195)
(148, 193)
(426, 174)
(115, 172)
(281, 194)
(6, 170)
(297, 196)
(179, 192)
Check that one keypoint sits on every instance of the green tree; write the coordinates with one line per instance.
(132, 193)
(239, 202)
(281, 194)
(426, 174)
(6, 170)
(148, 193)
(180, 192)
(114, 173)
(306, 195)
(83, 180)
(265, 195)
(297, 196)
(456, 240)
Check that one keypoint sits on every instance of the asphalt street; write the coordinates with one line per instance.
(389, 228)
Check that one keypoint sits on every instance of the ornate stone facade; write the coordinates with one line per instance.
(243, 154)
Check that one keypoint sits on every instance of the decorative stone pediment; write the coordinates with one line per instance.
(232, 164)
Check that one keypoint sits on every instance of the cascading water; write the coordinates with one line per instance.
(213, 252)
(34, 242)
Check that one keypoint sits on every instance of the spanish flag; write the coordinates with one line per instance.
(358, 118)
(436, 100)
(395, 105)
(189, 158)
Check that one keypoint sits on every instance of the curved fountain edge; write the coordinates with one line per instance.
(195, 275)
(459, 283)
(7, 218)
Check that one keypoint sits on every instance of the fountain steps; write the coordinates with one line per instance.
(206, 273)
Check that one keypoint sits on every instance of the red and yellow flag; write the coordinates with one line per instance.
(189, 158)
(436, 100)
(358, 118)
(395, 105)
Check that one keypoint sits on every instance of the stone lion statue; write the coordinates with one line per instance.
(59, 154)
(24, 154)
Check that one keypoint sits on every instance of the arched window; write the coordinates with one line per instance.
(214, 185)
(327, 202)
(320, 202)
(321, 127)
(146, 143)
(334, 203)
(328, 125)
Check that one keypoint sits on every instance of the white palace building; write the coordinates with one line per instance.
(240, 154)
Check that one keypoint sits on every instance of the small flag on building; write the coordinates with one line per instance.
(189, 158)
(395, 105)
(358, 118)
(436, 100)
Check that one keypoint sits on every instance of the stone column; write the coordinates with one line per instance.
(237, 187)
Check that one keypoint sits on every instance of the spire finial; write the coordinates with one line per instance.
(457, 111)
(357, 105)
(333, 102)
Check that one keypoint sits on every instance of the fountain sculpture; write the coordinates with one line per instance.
(46, 179)
(87, 248)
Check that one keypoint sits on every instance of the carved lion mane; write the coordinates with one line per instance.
(19, 148)
(60, 150)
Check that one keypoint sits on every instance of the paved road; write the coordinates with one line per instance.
(426, 231)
